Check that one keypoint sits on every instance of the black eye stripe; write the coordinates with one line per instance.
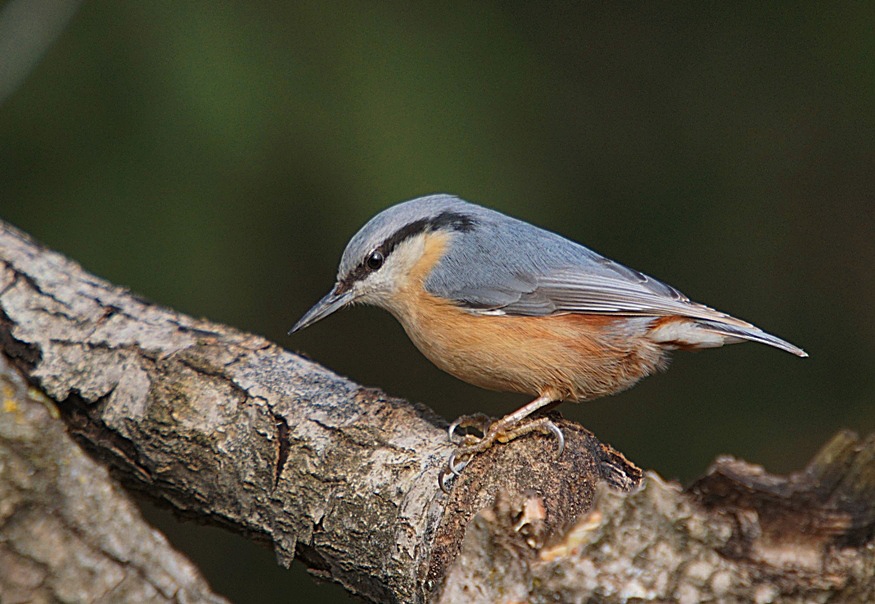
(446, 220)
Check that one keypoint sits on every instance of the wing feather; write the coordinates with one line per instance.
(615, 289)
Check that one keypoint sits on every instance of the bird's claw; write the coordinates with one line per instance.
(462, 456)
(452, 429)
(456, 468)
(560, 438)
(480, 421)
(453, 469)
(444, 479)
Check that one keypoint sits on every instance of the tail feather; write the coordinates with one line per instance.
(752, 333)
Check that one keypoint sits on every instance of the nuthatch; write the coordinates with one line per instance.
(508, 306)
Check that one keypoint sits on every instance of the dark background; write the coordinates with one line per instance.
(216, 156)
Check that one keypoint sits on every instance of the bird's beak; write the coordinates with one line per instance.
(324, 307)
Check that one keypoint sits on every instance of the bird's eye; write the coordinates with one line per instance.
(375, 260)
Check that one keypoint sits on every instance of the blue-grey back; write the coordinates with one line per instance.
(506, 263)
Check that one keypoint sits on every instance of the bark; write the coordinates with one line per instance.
(67, 531)
(227, 427)
(738, 534)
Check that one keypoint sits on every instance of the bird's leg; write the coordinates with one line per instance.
(503, 430)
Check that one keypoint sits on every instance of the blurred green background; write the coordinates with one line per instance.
(216, 156)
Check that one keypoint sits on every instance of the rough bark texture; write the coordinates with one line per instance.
(737, 535)
(228, 427)
(68, 533)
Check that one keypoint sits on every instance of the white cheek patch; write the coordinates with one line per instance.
(378, 287)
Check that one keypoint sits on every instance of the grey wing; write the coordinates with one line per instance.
(574, 292)
(621, 291)
(609, 288)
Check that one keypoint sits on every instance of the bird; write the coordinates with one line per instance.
(508, 306)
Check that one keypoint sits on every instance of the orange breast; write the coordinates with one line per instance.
(569, 356)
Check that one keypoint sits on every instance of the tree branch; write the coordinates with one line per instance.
(230, 428)
(67, 532)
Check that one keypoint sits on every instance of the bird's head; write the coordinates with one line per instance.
(391, 250)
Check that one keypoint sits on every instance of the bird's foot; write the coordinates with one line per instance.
(478, 421)
(495, 431)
